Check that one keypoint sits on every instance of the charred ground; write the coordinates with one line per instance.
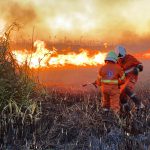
(72, 119)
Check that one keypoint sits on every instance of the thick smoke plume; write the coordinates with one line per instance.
(116, 21)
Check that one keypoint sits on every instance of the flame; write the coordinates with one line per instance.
(43, 57)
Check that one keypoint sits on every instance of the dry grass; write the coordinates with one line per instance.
(76, 121)
(18, 95)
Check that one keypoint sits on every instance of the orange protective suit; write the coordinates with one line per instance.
(110, 76)
(129, 63)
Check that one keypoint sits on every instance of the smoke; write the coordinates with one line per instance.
(115, 21)
(15, 11)
(23, 13)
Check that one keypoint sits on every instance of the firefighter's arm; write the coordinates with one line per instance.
(98, 80)
(138, 66)
(138, 69)
(121, 77)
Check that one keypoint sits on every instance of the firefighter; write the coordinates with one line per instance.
(131, 67)
(109, 77)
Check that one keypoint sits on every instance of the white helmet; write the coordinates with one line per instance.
(120, 51)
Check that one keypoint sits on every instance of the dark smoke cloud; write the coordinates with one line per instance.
(15, 11)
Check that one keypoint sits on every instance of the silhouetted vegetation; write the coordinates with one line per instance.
(18, 95)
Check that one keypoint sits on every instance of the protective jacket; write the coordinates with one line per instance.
(129, 64)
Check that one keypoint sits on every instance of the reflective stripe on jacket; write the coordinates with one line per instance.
(129, 70)
(113, 81)
(110, 81)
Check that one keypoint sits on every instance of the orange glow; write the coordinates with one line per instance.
(143, 55)
(43, 57)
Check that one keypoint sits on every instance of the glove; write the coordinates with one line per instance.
(136, 71)
(140, 67)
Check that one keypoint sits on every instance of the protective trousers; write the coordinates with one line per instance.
(111, 97)
(128, 91)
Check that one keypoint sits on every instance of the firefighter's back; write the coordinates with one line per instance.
(110, 71)
(109, 77)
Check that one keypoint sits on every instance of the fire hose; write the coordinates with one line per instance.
(93, 83)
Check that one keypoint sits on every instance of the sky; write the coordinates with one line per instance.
(105, 20)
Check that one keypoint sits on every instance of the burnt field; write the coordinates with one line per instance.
(74, 120)
(80, 123)
(71, 118)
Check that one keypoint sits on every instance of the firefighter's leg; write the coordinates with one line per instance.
(129, 91)
(115, 99)
(123, 97)
(124, 102)
(115, 102)
(105, 101)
